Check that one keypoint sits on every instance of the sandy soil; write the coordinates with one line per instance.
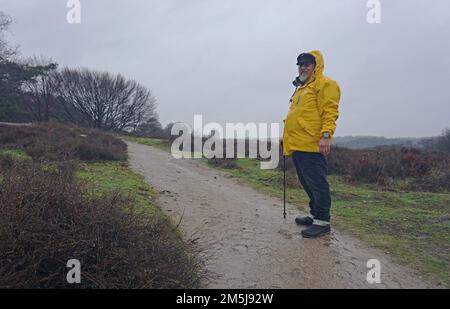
(244, 239)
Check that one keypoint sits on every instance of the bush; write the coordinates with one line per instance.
(440, 143)
(56, 142)
(383, 165)
(223, 163)
(45, 220)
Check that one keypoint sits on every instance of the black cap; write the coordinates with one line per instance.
(306, 58)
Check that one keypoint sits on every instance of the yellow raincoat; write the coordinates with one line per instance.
(313, 111)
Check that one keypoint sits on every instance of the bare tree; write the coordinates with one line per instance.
(104, 100)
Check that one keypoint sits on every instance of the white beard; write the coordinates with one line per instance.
(303, 77)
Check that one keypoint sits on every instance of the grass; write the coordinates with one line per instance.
(105, 178)
(15, 154)
(412, 227)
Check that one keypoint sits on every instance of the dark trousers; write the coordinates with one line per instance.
(312, 172)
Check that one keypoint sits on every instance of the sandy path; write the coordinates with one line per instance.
(246, 242)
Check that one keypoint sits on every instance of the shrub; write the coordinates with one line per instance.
(45, 220)
(56, 142)
(224, 163)
(426, 170)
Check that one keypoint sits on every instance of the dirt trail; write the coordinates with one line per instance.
(246, 242)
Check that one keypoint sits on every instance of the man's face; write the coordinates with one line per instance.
(305, 70)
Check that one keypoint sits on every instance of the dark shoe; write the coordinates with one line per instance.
(304, 220)
(316, 231)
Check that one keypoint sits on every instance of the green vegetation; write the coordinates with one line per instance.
(15, 154)
(105, 178)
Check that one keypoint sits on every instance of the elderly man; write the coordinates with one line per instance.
(308, 132)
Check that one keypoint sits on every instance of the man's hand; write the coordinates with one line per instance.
(324, 146)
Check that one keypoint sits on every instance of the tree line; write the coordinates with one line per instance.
(35, 89)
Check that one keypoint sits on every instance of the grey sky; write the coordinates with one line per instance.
(233, 61)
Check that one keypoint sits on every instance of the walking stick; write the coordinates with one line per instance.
(284, 186)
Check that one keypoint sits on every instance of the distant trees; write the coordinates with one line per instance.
(443, 142)
(38, 99)
(440, 143)
(153, 128)
(15, 77)
(35, 89)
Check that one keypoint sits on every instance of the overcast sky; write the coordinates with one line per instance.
(234, 61)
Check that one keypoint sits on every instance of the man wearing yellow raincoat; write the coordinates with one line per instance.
(308, 132)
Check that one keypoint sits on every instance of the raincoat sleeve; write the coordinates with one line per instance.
(328, 103)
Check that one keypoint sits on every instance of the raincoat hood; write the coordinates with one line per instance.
(318, 71)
